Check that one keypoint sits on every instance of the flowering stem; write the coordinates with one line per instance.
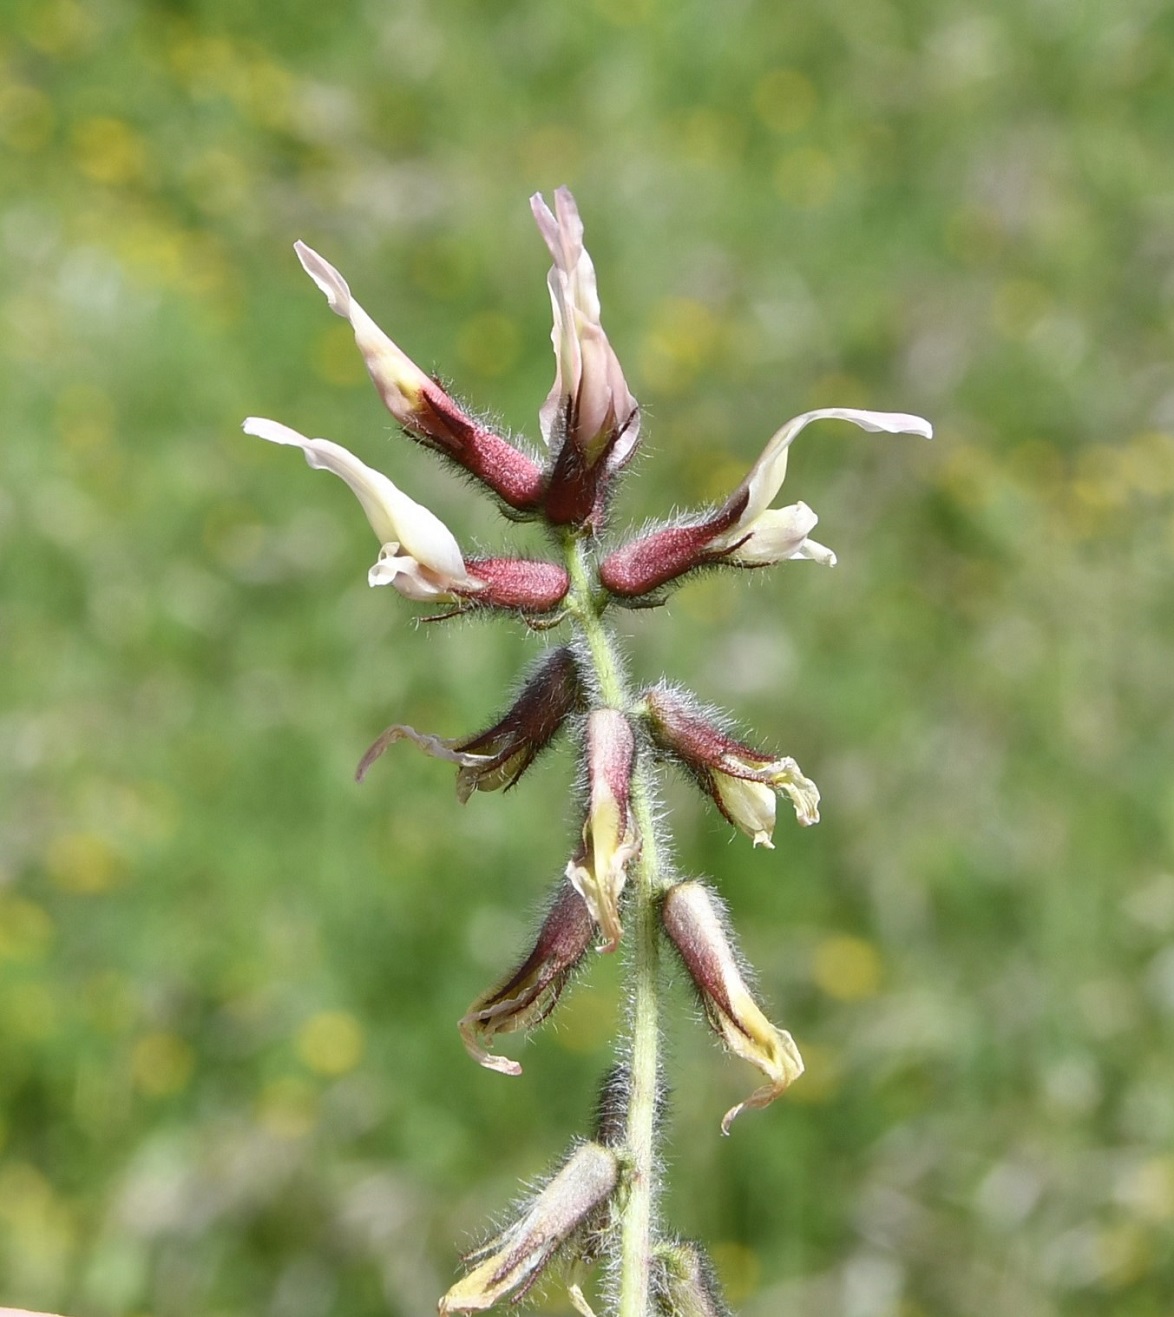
(636, 1221)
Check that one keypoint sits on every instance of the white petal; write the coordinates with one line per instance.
(397, 377)
(336, 288)
(777, 534)
(586, 368)
(414, 581)
(815, 552)
(767, 474)
(392, 514)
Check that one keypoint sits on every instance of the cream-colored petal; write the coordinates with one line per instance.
(776, 535)
(394, 517)
(410, 578)
(813, 551)
(377, 495)
(587, 370)
(399, 380)
(751, 805)
(767, 474)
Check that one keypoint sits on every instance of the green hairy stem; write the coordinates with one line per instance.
(641, 964)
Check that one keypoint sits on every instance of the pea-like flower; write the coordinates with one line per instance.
(421, 406)
(419, 555)
(745, 531)
(694, 920)
(740, 780)
(590, 420)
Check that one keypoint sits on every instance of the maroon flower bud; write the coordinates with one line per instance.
(532, 991)
(497, 757)
(695, 922)
(740, 780)
(599, 868)
(523, 584)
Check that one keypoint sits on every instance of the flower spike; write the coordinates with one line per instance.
(600, 1203)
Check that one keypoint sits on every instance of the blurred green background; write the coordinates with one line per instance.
(230, 1081)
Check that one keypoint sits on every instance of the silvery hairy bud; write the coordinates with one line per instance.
(497, 757)
(422, 407)
(532, 991)
(695, 922)
(685, 1283)
(740, 780)
(599, 869)
(552, 1222)
(745, 531)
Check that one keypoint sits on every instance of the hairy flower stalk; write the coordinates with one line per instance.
(617, 891)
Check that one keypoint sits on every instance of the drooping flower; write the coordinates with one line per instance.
(552, 1222)
(599, 869)
(532, 991)
(740, 780)
(694, 921)
(745, 531)
(590, 420)
(421, 406)
(497, 757)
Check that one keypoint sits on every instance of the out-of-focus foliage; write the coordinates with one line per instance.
(229, 1077)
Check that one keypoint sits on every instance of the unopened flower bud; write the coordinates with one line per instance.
(590, 421)
(564, 1211)
(693, 919)
(611, 1107)
(599, 869)
(421, 406)
(685, 1283)
(532, 991)
(745, 531)
(419, 555)
(740, 780)
(497, 757)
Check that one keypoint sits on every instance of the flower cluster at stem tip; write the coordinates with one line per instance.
(590, 430)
